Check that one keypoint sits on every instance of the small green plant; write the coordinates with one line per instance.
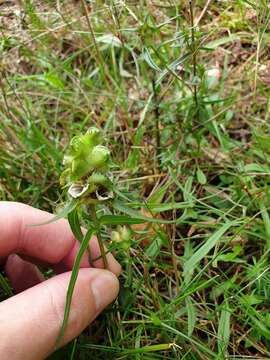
(86, 177)
(88, 184)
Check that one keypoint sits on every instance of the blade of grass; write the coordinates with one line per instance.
(119, 220)
(150, 348)
(224, 331)
(74, 224)
(192, 315)
(135, 214)
(72, 282)
(204, 249)
(196, 343)
(266, 220)
(5, 285)
(62, 214)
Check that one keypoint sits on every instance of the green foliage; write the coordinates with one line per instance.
(185, 114)
(73, 278)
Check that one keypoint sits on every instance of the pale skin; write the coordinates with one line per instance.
(30, 320)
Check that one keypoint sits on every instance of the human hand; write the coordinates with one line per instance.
(31, 320)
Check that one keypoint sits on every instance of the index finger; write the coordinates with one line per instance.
(52, 243)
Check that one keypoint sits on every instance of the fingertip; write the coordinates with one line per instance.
(105, 287)
(94, 290)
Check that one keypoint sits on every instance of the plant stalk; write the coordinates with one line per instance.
(98, 54)
(157, 122)
(93, 215)
(193, 49)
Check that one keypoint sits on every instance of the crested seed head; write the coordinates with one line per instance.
(86, 164)
(85, 155)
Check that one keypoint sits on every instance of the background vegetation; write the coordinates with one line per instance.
(181, 91)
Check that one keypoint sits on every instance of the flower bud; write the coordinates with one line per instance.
(85, 166)
(124, 233)
(85, 155)
(99, 156)
(93, 136)
(115, 236)
(122, 237)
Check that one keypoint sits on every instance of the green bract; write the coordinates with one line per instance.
(122, 237)
(85, 155)
(86, 164)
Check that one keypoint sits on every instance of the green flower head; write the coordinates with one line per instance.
(122, 236)
(86, 166)
(85, 155)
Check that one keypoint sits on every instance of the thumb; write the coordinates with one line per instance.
(31, 321)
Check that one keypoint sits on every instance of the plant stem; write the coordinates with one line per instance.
(98, 54)
(93, 215)
(157, 115)
(92, 32)
(174, 263)
(116, 15)
(193, 49)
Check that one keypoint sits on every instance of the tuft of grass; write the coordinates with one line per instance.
(195, 286)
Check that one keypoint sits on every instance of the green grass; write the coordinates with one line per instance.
(197, 289)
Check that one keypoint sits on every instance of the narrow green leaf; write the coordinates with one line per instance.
(193, 341)
(201, 177)
(62, 214)
(74, 224)
(73, 351)
(171, 68)
(149, 348)
(54, 80)
(260, 325)
(72, 282)
(212, 45)
(154, 248)
(266, 220)
(189, 266)
(192, 315)
(224, 330)
(133, 213)
(137, 343)
(257, 168)
(188, 189)
(157, 208)
(134, 154)
(250, 3)
(119, 220)
(148, 58)
(4, 284)
(109, 39)
(158, 195)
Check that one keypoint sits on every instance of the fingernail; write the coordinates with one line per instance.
(105, 287)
